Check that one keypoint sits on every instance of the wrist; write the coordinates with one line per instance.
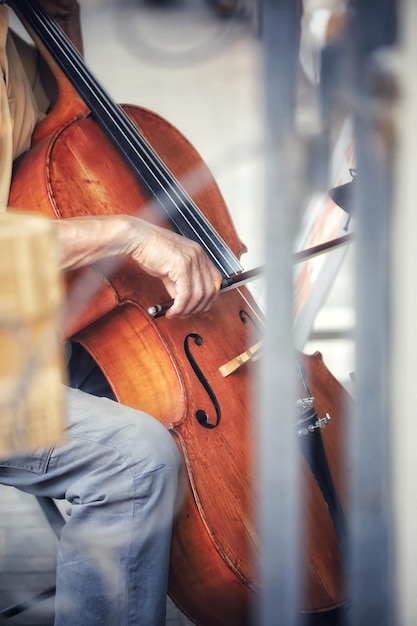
(132, 233)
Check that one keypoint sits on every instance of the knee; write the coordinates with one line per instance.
(109, 441)
(136, 459)
(148, 446)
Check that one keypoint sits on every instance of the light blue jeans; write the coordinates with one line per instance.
(118, 470)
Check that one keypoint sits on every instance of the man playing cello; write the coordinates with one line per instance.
(118, 468)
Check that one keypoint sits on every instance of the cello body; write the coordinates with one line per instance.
(161, 367)
(170, 369)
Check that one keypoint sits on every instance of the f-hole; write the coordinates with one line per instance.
(201, 415)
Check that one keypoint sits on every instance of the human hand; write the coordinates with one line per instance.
(190, 278)
(188, 275)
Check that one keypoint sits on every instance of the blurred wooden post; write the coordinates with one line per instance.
(31, 363)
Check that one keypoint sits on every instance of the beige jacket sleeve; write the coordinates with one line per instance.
(19, 112)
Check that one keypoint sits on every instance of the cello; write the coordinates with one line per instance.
(171, 369)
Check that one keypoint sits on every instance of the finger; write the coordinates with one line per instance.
(198, 293)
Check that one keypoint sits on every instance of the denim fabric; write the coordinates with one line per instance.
(118, 470)
(37, 461)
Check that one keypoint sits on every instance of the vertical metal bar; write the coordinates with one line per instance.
(404, 315)
(370, 559)
(278, 451)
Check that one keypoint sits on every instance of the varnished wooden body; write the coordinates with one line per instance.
(73, 171)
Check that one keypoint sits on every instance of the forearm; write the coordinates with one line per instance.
(86, 240)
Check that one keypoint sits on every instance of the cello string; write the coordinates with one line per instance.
(167, 183)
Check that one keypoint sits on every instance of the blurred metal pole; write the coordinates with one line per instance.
(278, 449)
(373, 27)
(404, 340)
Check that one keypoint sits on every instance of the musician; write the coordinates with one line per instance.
(117, 468)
